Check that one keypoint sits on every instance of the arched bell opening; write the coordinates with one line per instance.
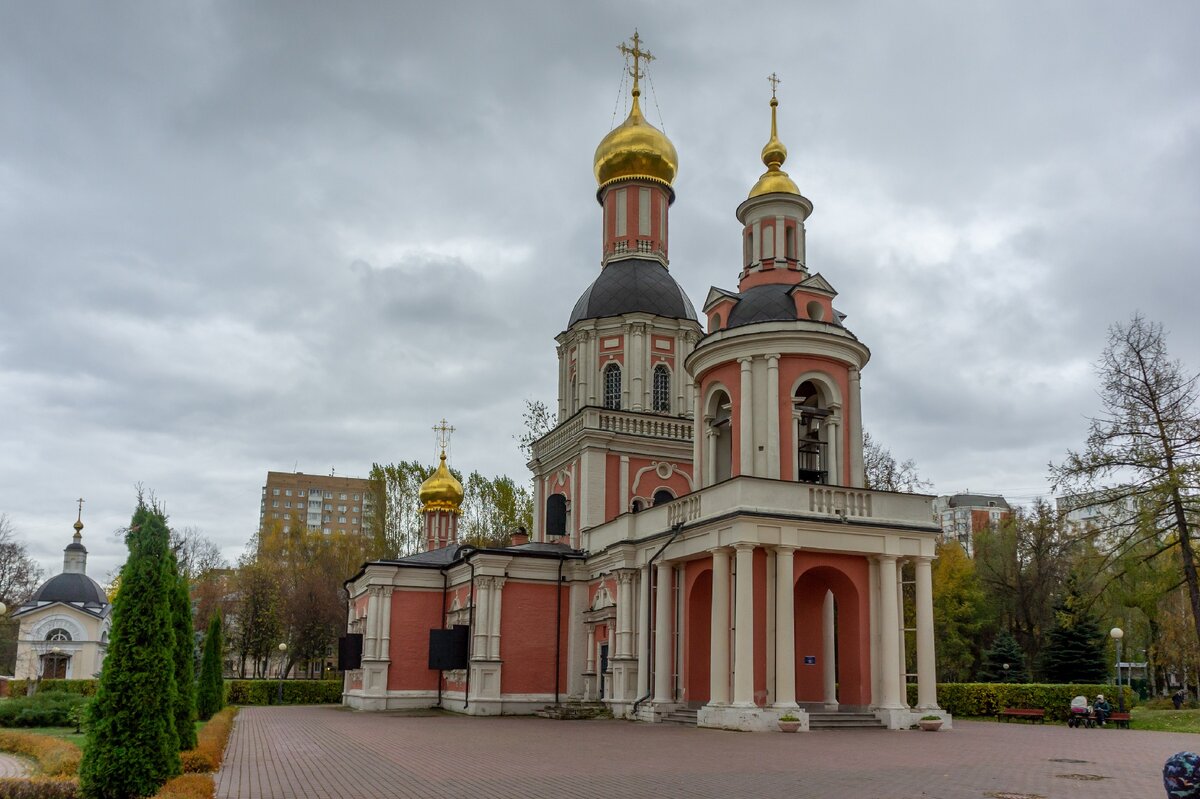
(831, 639)
(810, 409)
(719, 437)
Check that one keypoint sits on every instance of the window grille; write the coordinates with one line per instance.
(612, 386)
(661, 399)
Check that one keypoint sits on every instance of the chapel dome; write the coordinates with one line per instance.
(633, 285)
(441, 491)
(71, 587)
(635, 149)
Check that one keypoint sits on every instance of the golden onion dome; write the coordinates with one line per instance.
(635, 149)
(774, 180)
(441, 491)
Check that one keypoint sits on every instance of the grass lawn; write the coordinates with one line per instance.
(1166, 720)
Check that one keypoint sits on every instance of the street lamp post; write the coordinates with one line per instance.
(282, 660)
(1005, 667)
(1117, 634)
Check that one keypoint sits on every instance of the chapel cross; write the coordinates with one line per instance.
(775, 81)
(443, 431)
(79, 518)
(638, 53)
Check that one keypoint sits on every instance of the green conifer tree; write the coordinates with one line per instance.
(1005, 649)
(1074, 651)
(184, 652)
(210, 695)
(132, 746)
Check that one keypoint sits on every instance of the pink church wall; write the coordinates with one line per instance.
(527, 638)
(414, 614)
(847, 577)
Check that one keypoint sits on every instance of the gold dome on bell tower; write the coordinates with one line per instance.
(774, 180)
(635, 149)
(441, 491)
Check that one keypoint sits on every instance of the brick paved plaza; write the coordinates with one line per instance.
(327, 752)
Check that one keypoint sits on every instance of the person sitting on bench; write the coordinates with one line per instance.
(1102, 709)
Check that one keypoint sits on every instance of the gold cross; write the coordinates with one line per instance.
(775, 81)
(638, 53)
(443, 431)
(79, 518)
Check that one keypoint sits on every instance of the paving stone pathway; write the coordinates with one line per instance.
(13, 766)
(330, 753)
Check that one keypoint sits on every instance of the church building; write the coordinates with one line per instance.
(704, 547)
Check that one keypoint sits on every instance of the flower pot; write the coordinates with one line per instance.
(931, 726)
(789, 726)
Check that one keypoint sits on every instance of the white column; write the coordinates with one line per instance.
(481, 615)
(624, 647)
(743, 646)
(829, 647)
(371, 644)
(591, 648)
(576, 638)
(643, 626)
(833, 461)
(771, 620)
(662, 635)
(773, 409)
(497, 595)
(697, 434)
(873, 611)
(718, 666)
(889, 628)
(902, 637)
(785, 628)
(385, 622)
(856, 429)
(926, 663)
(746, 419)
(710, 454)
(623, 477)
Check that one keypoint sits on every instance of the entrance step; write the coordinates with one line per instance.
(842, 721)
(574, 711)
(685, 716)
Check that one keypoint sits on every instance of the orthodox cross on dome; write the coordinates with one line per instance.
(443, 431)
(638, 54)
(79, 517)
(775, 81)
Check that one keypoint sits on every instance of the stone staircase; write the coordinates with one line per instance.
(843, 720)
(574, 711)
(684, 716)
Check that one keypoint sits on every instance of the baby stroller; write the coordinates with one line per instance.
(1081, 713)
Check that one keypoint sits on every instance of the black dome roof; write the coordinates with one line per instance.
(635, 285)
(71, 587)
(769, 302)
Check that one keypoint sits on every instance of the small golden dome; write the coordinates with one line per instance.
(635, 149)
(774, 180)
(441, 491)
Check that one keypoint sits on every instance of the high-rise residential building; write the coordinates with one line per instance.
(329, 503)
(963, 515)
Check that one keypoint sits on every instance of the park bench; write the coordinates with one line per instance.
(1033, 714)
(1120, 719)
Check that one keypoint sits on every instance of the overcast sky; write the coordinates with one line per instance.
(241, 237)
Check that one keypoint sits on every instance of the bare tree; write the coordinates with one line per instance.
(538, 422)
(1146, 443)
(19, 578)
(884, 473)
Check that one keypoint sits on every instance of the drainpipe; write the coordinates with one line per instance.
(676, 529)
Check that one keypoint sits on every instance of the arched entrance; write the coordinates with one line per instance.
(699, 638)
(846, 578)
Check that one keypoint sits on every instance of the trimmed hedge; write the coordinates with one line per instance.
(55, 757)
(43, 709)
(39, 788)
(295, 692)
(987, 699)
(17, 688)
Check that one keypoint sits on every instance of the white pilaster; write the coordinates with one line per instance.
(773, 407)
(643, 633)
(718, 669)
(623, 477)
(576, 639)
(662, 635)
(746, 418)
(785, 629)
(834, 467)
(385, 623)
(482, 613)
(926, 663)
(624, 645)
(889, 629)
(873, 612)
(371, 643)
(856, 430)
(591, 649)
(829, 647)
(743, 656)
(697, 433)
(494, 600)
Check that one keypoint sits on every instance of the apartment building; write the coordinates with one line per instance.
(322, 502)
(962, 515)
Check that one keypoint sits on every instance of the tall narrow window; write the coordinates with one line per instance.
(790, 242)
(612, 386)
(621, 212)
(643, 212)
(556, 516)
(661, 399)
(768, 242)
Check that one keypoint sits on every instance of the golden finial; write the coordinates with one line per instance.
(773, 155)
(638, 53)
(443, 431)
(441, 491)
(79, 517)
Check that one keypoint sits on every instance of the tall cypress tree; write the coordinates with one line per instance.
(210, 694)
(184, 651)
(132, 747)
(1005, 649)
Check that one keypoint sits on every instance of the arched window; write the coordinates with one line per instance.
(789, 238)
(636, 506)
(612, 386)
(58, 634)
(811, 455)
(556, 516)
(662, 496)
(720, 451)
(661, 399)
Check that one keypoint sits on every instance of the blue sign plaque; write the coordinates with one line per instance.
(810, 660)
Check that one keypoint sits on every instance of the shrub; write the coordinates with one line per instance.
(83, 687)
(39, 788)
(210, 744)
(210, 691)
(43, 709)
(55, 757)
(184, 656)
(295, 692)
(187, 786)
(987, 699)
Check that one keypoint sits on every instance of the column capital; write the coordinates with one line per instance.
(745, 546)
(784, 549)
(719, 551)
(625, 575)
(745, 362)
(772, 360)
(884, 558)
